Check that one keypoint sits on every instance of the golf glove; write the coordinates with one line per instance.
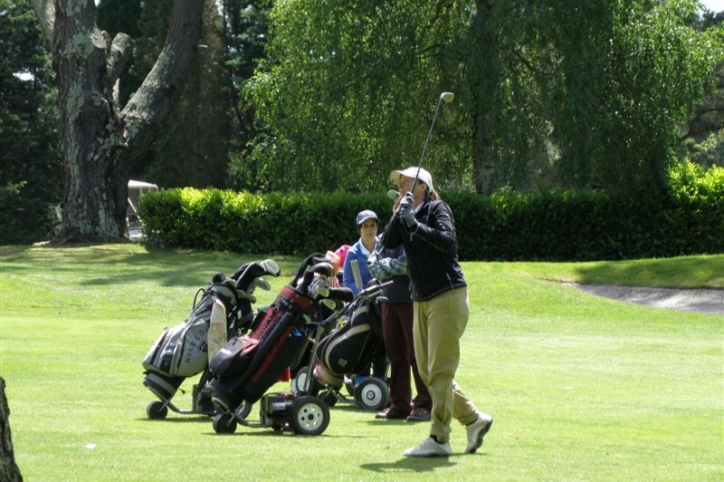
(405, 212)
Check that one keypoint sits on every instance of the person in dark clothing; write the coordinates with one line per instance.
(425, 227)
(396, 313)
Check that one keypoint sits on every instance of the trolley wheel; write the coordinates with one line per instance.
(329, 397)
(243, 410)
(372, 394)
(224, 423)
(156, 410)
(309, 416)
(300, 381)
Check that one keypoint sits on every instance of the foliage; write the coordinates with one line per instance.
(589, 224)
(348, 91)
(30, 175)
(25, 219)
(548, 225)
(245, 32)
(699, 198)
(324, 95)
(193, 148)
(548, 94)
(284, 223)
(126, 16)
(182, 157)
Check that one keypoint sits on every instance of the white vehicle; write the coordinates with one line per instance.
(136, 189)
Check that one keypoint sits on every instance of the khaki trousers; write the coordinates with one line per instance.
(438, 325)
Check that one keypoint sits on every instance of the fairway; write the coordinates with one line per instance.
(581, 388)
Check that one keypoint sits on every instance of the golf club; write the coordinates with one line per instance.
(447, 97)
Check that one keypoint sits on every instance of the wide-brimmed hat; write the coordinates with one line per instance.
(411, 172)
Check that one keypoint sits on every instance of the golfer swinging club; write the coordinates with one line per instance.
(425, 227)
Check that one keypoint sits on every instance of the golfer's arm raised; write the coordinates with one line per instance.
(441, 233)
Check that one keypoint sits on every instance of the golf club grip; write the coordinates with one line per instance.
(341, 294)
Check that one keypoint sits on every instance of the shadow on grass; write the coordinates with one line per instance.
(115, 265)
(245, 431)
(410, 464)
(191, 418)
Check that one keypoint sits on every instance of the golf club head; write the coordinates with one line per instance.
(330, 304)
(447, 96)
(262, 283)
(271, 267)
(322, 292)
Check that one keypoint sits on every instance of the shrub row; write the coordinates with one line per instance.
(550, 225)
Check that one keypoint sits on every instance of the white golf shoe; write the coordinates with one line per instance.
(476, 431)
(429, 448)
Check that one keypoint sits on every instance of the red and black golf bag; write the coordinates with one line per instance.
(249, 365)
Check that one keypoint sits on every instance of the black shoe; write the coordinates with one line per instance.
(419, 415)
(392, 414)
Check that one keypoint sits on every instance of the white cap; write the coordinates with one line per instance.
(411, 172)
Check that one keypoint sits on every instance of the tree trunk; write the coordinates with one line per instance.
(484, 168)
(481, 65)
(89, 128)
(9, 471)
(99, 141)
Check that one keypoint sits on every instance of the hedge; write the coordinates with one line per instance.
(552, 225)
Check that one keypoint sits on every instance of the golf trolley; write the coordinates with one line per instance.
(248, 365)
(223, 309)
(345, 347)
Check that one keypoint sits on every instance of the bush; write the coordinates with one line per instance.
(278, 223)
(551, 225)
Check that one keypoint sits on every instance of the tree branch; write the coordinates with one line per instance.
(149, 106)
(119, 53)
(45, 11)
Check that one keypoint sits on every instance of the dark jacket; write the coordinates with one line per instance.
(431, 248)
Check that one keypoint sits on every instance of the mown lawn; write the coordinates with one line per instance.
(581, 388)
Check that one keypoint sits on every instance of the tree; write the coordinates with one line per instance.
(29, 167)
(122, 16)
(548, 93)
(245, 32)
(182, 157)
(349, 90)
(9, 471)
(100, 139)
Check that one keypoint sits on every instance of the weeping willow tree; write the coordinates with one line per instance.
(556, 92)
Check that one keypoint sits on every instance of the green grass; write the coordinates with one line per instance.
(582, 388)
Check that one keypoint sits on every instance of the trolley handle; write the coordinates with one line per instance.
(372, 291)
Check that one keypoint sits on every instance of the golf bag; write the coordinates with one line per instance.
(181, 352)
(249, 365)
(349, 348)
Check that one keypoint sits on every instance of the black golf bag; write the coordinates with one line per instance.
(182, 351)
(348, 348)
(250, 364)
